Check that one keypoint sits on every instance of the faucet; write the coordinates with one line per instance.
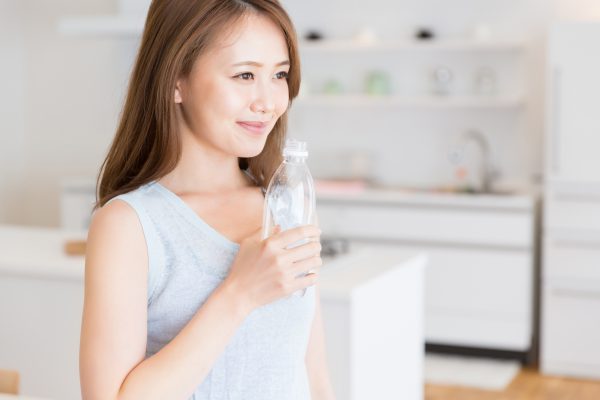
(486, 171)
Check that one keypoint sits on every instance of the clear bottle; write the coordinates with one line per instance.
(290, 198)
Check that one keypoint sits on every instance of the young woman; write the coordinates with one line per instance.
(182, 297)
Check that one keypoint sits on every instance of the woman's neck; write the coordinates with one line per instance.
(200, 170)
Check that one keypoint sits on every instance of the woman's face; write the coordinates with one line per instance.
(238, 89)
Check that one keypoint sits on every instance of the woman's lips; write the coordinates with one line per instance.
(253, 126)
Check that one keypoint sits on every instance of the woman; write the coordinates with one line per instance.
(182, 298)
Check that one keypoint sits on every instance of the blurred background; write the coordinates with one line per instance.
(463, 131)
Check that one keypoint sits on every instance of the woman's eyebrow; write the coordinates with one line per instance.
(257, 64)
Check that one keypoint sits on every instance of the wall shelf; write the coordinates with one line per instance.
(133, 25)
(440, 102)
(108, 25)
(409, 45)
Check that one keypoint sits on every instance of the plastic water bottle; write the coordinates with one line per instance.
(290, 198)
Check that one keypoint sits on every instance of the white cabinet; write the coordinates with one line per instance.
(570, 325)
(41, 301)
(574, 95)
(571, 328)
(372, 304)
(479, 278)
(77, 199)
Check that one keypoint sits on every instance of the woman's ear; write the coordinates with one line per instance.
(177, 97)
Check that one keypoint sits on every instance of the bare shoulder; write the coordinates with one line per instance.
(116, 237)
(116, 216)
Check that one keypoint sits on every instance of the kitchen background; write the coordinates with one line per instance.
(62, 93)
(398, 129)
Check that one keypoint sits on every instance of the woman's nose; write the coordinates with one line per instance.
(263, 101)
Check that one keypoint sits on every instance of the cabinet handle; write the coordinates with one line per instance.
(555, 124)
(577, 244)
(580, 294)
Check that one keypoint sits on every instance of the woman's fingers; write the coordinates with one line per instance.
(303, 251)
(294, 235)
(312, 264)
(305, 281)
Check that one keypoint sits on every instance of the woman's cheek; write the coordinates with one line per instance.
(234, 98)
(283, 101)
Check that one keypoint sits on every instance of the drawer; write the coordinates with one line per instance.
(479, 283)
(572, 211)
(475, 296)
(428, 224)
(571, 329)
(568, 256)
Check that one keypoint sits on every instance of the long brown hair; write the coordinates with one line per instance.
(147, 145)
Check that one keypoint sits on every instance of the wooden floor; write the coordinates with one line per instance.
(528, 385)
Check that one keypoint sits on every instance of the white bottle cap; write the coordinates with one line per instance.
(295, 148)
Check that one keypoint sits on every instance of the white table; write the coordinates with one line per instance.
(372, 301)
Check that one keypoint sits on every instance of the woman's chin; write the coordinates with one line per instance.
(251, 149)
(251, 152)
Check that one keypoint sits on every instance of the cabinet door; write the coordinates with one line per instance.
(574, 104)
(571, 328)
(572, 255)
(475, 297)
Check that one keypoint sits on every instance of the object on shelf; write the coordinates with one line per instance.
(342, 165)
(482, 32)
(426, 101)
(75, 247)
(441, 79)
(378, 83)
(333, 86)
(485, 81)
(366, 36)
(424, 34)
(313, 35)
(340, 186)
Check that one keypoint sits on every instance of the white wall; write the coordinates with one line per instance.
(71, 93)
(12, 131)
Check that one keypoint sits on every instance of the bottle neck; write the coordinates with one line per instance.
(294, 159)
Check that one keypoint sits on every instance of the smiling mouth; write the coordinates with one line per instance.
(254, 126)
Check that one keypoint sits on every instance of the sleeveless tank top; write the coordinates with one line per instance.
(187, 260)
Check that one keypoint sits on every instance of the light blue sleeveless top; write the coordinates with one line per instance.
(188, 259)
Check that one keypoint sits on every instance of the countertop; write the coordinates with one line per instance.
(39, 252)
(340, 275)
(518, 200)
(4, 396)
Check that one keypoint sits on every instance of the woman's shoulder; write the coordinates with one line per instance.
(116, 219)
(119, 218)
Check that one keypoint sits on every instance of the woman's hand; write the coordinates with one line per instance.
(267, 270)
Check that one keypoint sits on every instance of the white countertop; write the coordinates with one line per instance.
(340, 275)
(517, 201)
(39, 252)
(4, 396)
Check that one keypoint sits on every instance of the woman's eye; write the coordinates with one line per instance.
(245, 76)
(281, 75)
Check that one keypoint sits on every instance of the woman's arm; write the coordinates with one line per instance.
(316, 360)
(113, 335)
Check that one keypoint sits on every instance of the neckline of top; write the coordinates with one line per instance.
(193, 217)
